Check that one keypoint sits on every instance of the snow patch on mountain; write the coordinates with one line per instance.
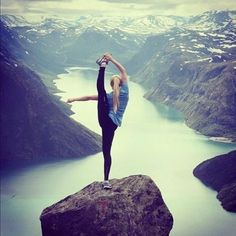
(202, 34)
(14, 20)
(217, 50)
(199, 45)
(188, 50)
(228, 46)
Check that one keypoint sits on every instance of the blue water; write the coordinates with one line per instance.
(151, 141)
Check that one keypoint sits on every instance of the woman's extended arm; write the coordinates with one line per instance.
(84, 98)
(123, 73)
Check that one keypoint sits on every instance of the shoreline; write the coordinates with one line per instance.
(221, 140)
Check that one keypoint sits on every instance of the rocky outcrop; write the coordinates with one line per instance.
(220, 174)
(134, 206)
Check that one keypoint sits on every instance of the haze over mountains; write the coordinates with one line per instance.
(188, 63)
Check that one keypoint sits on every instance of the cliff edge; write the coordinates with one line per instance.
(134, 206)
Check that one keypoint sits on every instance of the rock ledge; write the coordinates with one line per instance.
(134, 206)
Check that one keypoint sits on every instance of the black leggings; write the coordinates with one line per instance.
(107, 125)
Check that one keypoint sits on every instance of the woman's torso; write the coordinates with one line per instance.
(123, 99)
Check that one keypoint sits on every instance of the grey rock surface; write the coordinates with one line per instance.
(134, 206)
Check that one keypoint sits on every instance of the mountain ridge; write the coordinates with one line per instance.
(33, 127)
(196, 73)
(150, 24)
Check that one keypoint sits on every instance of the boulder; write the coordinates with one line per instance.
(134, 206)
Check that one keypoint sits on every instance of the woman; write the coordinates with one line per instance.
(111, 107)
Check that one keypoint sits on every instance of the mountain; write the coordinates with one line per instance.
(219, 173)
(44, 65)
(33, 127)
(79, 41)
(195, 72)
(69, 45)
(12, 20)
(212, 20)
(23, 49)
(93, 42)
(138, 25)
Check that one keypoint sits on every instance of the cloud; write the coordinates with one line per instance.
(177, 4)
(114, 7)
(151, 4)
(31, 1)
(66, 7)
(130, 1)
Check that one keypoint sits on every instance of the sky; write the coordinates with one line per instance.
(73, 8)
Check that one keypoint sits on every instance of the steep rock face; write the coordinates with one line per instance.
(134, 206)
(25, 53)
(208, 102)
(32, 127)
(220, 174)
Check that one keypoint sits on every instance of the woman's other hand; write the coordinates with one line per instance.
(70, 100)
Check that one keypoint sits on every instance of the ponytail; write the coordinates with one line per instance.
(115, 83)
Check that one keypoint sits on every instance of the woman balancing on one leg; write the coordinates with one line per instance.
(111, 107)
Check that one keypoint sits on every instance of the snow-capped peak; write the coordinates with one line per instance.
(142, 25)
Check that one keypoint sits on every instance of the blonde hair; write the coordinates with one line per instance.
(115, 84)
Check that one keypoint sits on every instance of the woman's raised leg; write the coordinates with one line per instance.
(103, 106)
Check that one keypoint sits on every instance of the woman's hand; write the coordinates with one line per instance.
(108, 56)
(123, 73)
(70, 100)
